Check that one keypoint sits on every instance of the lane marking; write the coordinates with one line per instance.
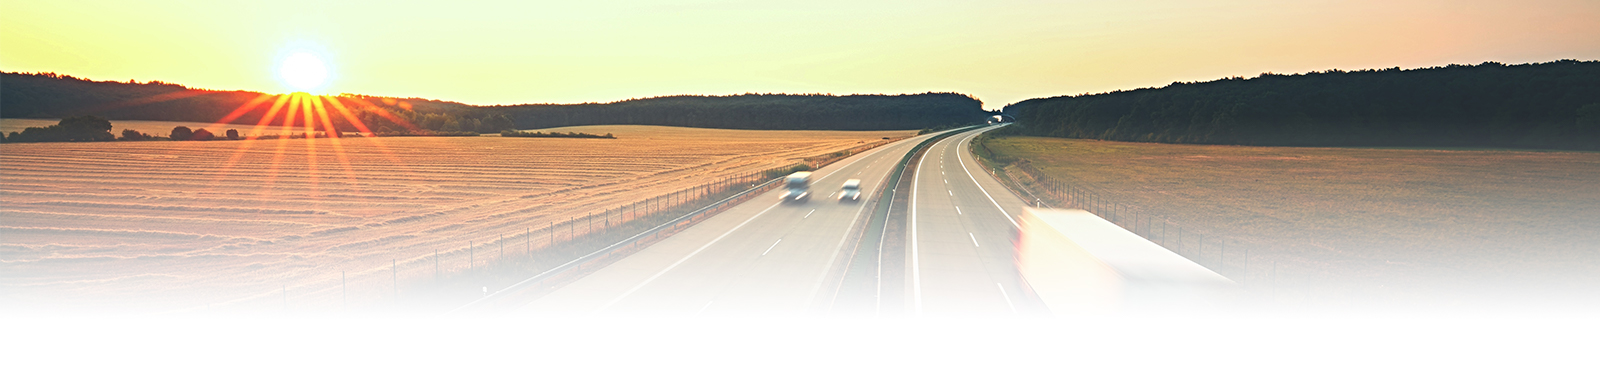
(952, 193)
(774, 245)
(916, 261)
(958, 210)
(974, 239)
(963, 158)
(630, 291)
(1002, 294)
(685, 258)
(708, 305)
(816, 288)
(808, 214)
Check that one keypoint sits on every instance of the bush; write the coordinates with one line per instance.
(181, 133)
(202, 135)
(130, 135)
(233, 134)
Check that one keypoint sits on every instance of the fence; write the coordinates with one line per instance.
(1230, 258)
(455, 273)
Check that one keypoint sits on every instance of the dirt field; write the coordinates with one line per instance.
(1454, 227)
(153, 226)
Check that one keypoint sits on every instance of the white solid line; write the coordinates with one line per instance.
(916, 264)
(974, 239)
(958, 209)
(774, 245)
(808, 214)
(1002, 294)
(963, 158)
(685, 258)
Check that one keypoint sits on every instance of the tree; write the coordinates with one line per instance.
(87, 128)
(202, 135)
(181, 133)
(233, 134)
(130, 135)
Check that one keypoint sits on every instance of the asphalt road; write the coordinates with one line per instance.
(769, 257)
(962, 237)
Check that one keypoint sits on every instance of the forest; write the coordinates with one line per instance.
(1553, 105)
(49, 95)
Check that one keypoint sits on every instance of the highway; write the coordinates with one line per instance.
(769, 257)
(962, 237)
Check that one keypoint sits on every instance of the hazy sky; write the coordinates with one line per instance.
(1002, 51)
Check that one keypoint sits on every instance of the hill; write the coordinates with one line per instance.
(1546, 105)
(49, 95)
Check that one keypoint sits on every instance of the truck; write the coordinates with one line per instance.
(797, 187)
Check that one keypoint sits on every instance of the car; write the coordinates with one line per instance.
(851, 192)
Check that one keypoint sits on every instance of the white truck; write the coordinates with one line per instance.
(797, 187)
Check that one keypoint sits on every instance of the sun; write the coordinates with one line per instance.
(303, 71)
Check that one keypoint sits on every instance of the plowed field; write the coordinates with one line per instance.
(154, 226)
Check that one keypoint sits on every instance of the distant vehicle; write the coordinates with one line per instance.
(797, 187)
(851, 191)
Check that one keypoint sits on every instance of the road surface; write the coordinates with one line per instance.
(962, 237)
(769, 257)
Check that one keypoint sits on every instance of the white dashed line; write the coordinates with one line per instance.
(1002, 294)
(958, 209)
(775, 244)
(663, 271)
(974, 239)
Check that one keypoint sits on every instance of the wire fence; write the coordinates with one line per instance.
(459, 272)
(1230, 258)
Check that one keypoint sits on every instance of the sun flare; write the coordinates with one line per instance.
(303, 71)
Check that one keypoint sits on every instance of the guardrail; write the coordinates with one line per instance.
(862, 284)
(596, 259)
(627, 244)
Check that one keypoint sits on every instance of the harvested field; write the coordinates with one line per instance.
(1450, 227)
(156, 226)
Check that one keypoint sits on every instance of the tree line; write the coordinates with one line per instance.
(49, 95)
(89, 128)
(1552, 105)
(553, 134)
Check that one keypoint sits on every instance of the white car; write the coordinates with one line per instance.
(851, 192)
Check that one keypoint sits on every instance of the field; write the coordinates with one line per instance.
(1447, 226)
(159, 226)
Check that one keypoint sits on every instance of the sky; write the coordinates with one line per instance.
(1001, 51)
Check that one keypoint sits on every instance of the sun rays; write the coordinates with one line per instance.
(316, 120)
